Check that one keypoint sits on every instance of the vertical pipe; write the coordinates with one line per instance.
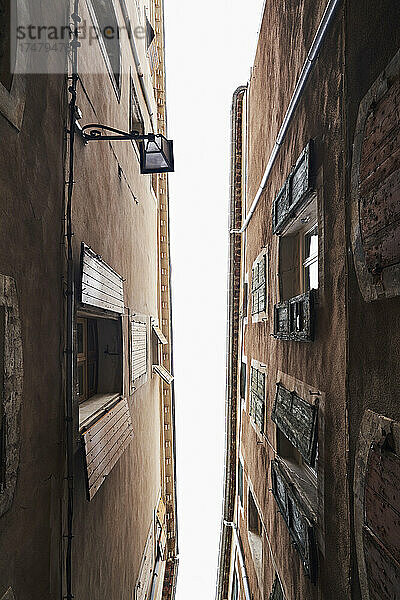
(70, 309)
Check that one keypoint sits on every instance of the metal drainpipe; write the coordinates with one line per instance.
(245, 579)
(298, 92)
(70, 309)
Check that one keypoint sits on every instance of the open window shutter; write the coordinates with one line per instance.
(101, 286)
(161, 337)
(297, 419)
(294, 193)
(294, 319)
(301, 529)
(138, 349)
(163, 373)
(104, 443)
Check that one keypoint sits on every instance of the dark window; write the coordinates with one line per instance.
(150, 34)
(254, 521)
(88, 357)
(245, 298)
(258, 286)
(6, 75)
(243, 380)
(277, 592)
(257, 397)
(99, 357)
(240, 481)
(136, 122)
(109, 34)
(235, 587)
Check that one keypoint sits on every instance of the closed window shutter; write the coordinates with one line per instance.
(297, 419)
(257, 397)
(258, 286)
(138, 349)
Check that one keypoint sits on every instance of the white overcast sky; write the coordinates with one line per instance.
(210, 49)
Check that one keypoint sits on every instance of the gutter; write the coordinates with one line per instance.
(231, 384)
(297, 94)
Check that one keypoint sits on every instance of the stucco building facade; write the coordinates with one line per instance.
(87, 459)
(312, 415)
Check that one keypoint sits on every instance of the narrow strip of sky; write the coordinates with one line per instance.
(210, 49)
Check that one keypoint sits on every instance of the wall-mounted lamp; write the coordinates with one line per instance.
(156, 152)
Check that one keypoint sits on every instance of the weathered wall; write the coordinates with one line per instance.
(31, 237)
(115, 212)
(372, 40)
(285, 38)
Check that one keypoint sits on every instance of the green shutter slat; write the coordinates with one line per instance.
(300, 528)
(297, 419)
(294, 193)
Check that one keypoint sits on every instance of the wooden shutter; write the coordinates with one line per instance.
(258, 286)
(257, 397)
(161, 337)
(294, 193)
(294, 319)
(277, 592)
(101, 286)
(163, 373)
(297, 419)
(281, 321)
(138, 349)
(301, 529)
(104, 443)
(381, 530)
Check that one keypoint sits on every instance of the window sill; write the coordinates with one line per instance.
(94, 408)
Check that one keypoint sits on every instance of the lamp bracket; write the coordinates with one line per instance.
(96, 131)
